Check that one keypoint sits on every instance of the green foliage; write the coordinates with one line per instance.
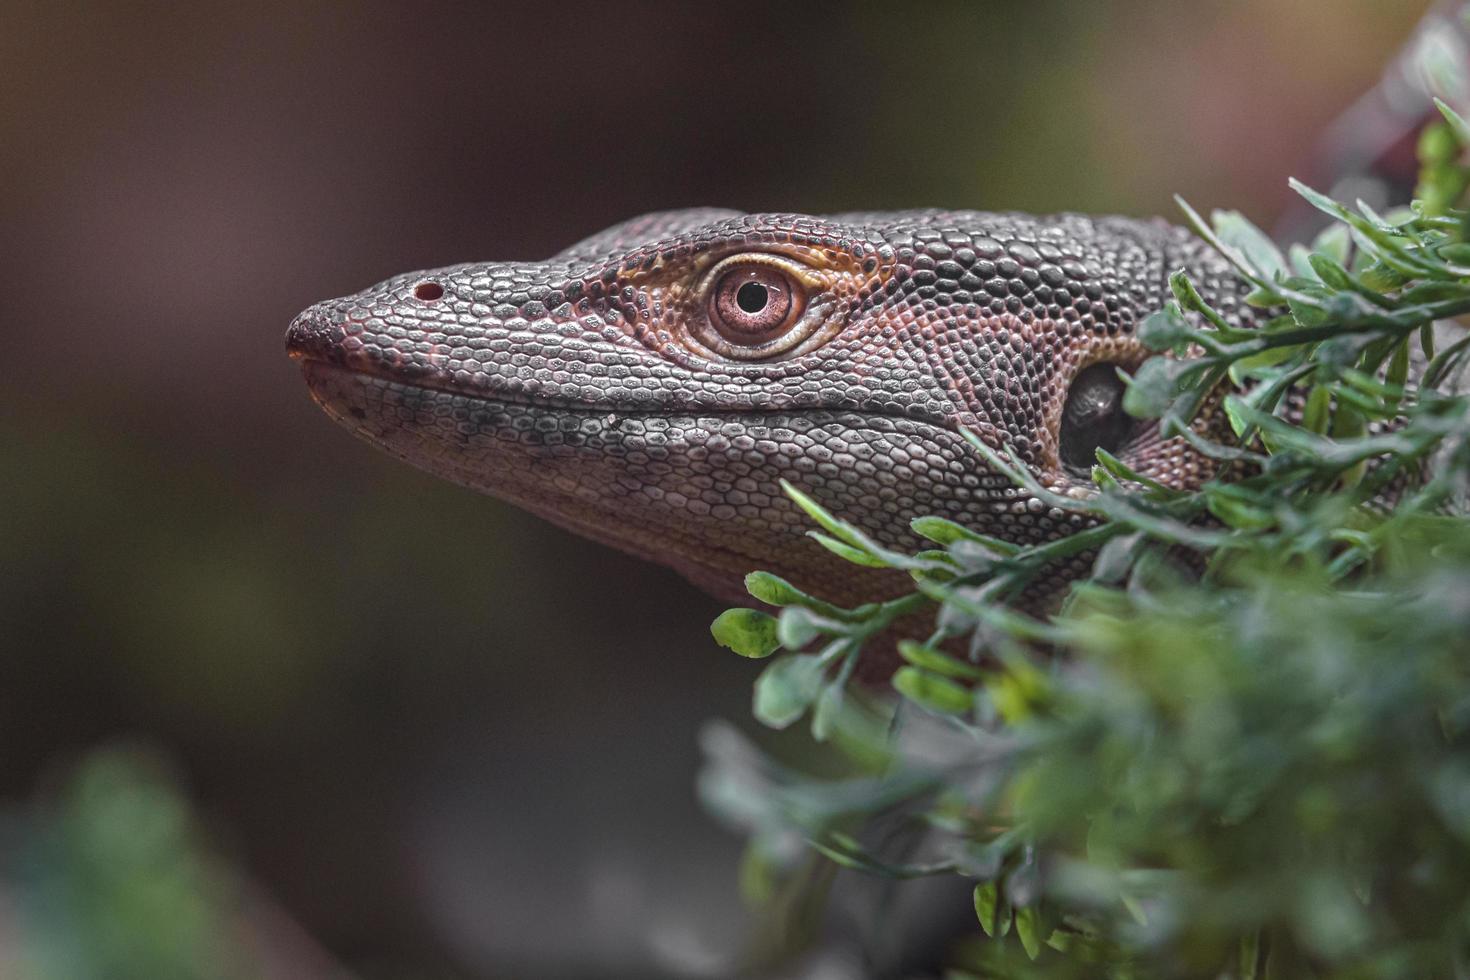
(1259, 771)
(111, 881)
(748, 632)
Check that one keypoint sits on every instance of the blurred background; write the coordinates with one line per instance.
(274, 704)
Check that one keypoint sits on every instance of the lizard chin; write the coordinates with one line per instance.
(627, 481)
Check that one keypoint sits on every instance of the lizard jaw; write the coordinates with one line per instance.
(585, 470)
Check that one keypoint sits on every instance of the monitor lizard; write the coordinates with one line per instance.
(650, 386)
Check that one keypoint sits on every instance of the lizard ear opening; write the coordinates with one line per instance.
(1093, 418)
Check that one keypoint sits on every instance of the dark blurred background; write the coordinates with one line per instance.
(440, 736)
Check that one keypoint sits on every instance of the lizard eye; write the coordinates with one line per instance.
(1093, 418)
(754, 306)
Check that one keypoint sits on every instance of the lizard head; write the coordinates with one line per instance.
(650, 386)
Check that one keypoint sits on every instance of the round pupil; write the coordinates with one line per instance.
(752, 297)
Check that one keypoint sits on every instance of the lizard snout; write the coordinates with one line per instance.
(314, 335)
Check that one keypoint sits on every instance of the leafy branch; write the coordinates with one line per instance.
(1263, 771)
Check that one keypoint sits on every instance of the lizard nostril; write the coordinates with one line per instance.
(428, 291)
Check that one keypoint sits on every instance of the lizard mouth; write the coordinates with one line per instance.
(373, 405)
(315, 368)
(323, 376)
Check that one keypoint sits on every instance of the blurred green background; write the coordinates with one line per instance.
(433, 733)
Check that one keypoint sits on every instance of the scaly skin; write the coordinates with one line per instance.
(595, 390)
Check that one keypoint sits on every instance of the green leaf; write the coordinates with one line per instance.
(1120, 470)
(838, 528)
(1238, 423)
(986, 904)
(1115, 558)
(1255, 245)
(1029, 927)
(829, 707)
(776, 591)
(1456, 252)
(787, 687)
(759, 875)
(859, 549)
(1381, 277)
(1154, 386)
(842, 549)
(1017, 692)
(939, 694)
(1318, 409)
(1261, 298)
(1437, 144)
(812, 509)
(947, 532)
(1335, 242)
(1300, 258)
(1398, 365)
(1426, 341)
(797, 626)
(1189, 299)
(749, 632)
(1348, 423)
(1433, 292)
(773, 589)
(1250, 958)
(1165, 329)
(1239, 512)
(1257, 364)
(934, 660)
(1458, 126)
(1372, 234)
(1330, 272)
(1005, 916)
(1446, 362)
(973, 557)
